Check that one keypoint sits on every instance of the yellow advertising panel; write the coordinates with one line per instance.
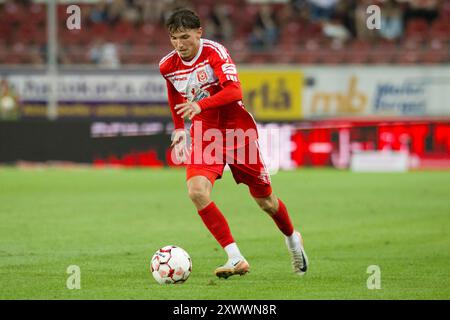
(273, 95)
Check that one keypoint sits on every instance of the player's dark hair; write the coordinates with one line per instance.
(182, 19)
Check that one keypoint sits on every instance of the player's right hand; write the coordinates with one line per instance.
(179, 143)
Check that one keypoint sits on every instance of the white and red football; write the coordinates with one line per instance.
(171, 264)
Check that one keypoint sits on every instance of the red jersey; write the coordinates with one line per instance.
(211, 71)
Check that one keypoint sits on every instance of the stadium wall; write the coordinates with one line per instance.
(313, 116)
(272, 93)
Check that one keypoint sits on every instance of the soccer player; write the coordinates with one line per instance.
(203, 86)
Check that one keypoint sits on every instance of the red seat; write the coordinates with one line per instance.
(100, 30)
(358, 57)
(123, 32)
(6, 31)
(358, 52)
(436, 57)
(412, 44)
(124, 28)
(4, 53)
(333, 56)
(284, 56)
(417, 28)
(408, 57)
(15, 14)
(239, 50)
(381, 57)
(144, 35)
(261, 57)
(37, 14)
(313, 31)
(440, 29)
(444, 11)
(383, 52)
(307, 57)
(80, 57)
(290, 34)
(72, 37)
(160, 37)
(436, 52)
(61, 13)
(13, 59)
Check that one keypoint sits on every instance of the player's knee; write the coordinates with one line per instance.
(198, 194)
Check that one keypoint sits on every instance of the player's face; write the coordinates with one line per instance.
(186, 42)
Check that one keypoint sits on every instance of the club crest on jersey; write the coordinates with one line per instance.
(202, 76)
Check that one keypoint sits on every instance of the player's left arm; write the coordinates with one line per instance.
(231, 92)
(225, 70)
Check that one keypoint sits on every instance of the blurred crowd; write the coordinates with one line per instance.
(115, 32)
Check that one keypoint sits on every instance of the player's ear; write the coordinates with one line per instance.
(199, 32)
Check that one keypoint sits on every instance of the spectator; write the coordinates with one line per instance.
(115, 10)
(344, 10)
(422, 9)
(298, 5)
(104, 55)
(266, 30)
(219, 25)
(9, 102)
(335, 29)
(339, 20)
(36, 56)
(11, 7)
(257, 40)
(98, 12)
(131, 14)
(152, 11)
(391, 21)
(173, 5)
(321, 9)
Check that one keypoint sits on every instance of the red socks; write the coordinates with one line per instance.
(216, 224)
(282, 219)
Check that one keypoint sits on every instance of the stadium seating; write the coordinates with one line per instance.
(23, 37)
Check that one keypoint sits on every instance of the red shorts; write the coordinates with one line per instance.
(246, 164)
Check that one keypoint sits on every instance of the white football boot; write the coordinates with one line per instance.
(298, 256)
(237, 265)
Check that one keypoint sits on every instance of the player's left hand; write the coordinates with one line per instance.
(188, 109)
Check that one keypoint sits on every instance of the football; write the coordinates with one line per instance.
(171, 265)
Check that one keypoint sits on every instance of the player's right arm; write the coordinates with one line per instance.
(165, 68)
(179, 137)
(174, 98)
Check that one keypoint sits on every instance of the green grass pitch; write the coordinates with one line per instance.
(110, 222)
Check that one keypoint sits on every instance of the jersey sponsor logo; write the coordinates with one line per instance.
(202, 76)
(180, 78)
